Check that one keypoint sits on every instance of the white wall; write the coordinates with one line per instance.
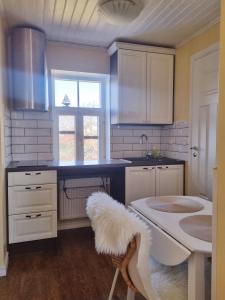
(71, 57)
(3, 97)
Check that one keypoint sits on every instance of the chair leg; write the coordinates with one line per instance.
(130, 294)
(113, 284)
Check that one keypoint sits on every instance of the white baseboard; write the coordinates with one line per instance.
(3, 269)
(72, 224)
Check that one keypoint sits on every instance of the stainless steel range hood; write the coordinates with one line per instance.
(28, 69)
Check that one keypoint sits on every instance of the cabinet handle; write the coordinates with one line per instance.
(145, 168)
(33, 174)
(33, 188)
(159, 167)
(33, 216)
(153, 168)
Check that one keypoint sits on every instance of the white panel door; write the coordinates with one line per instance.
(159, 88)
(140, 183)
(132, 86)
(169, 180)
(204, 94)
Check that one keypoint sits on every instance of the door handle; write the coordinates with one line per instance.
(194, 148)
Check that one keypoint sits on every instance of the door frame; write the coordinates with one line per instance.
(194, 58)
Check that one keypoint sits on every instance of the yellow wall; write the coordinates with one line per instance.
(2, 148)
(182, 69)
(219, 248)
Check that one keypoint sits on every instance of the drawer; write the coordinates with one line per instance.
(29, 227)
(32, 177)
(32, 198)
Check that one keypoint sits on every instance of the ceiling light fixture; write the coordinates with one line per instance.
(120, 12)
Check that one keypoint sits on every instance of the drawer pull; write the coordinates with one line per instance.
(159, 167)
(33, 188)
(33, 174)
(145, 168)
(153, 168)
(33, 216)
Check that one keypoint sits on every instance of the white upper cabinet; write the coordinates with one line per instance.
(141, 86)
(132, 86)
(159, 88)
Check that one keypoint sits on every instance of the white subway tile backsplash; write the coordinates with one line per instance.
(18, 132)
(45, 156)
(44, 124)
(36, 116)
(31, 135)
(17, 149)
(117, 154)
(117, 139)
(24, 123)
(132, 140)
(16, 115)
(25, 156)
(121, 147)
(139, 132)
(24, 140)
(175, 140)
(37, 132)
(37, 148)
(121, 132)
(141, 147)
(128, 154)
(45, 140)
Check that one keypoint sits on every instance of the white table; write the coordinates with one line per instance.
(171, 245)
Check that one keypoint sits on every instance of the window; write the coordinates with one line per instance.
(79, 117)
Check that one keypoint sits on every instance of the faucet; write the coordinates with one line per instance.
(142, 138)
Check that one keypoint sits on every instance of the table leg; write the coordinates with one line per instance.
(196, 276)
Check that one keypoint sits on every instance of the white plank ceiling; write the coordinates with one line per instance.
(164, 22)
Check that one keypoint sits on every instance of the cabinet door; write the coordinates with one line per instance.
(159, 88)
(169, 180)
(32, 198)
(132, 86)
(35, 226)
(140, 183)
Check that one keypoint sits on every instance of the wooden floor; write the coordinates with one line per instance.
(71, 270)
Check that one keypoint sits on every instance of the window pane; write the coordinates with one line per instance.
(91, 151)
(65, 93)
(67, 147)
(90, 126)
(66, 123)
(67, 138)
(89, 94)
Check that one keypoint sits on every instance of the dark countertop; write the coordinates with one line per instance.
(135, 162)
(17, 166)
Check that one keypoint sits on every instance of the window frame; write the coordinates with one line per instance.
(79, 113)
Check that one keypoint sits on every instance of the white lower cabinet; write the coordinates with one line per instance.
(169, 180)
(33, 226)
(139, 182)
(147, 181)
(32, 205)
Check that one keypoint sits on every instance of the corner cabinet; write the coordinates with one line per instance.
(148, 181)
(141, 86)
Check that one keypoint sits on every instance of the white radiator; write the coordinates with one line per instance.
(74, 194)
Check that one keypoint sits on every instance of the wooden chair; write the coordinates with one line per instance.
(121, 263)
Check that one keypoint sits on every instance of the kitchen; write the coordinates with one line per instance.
(85, 142)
